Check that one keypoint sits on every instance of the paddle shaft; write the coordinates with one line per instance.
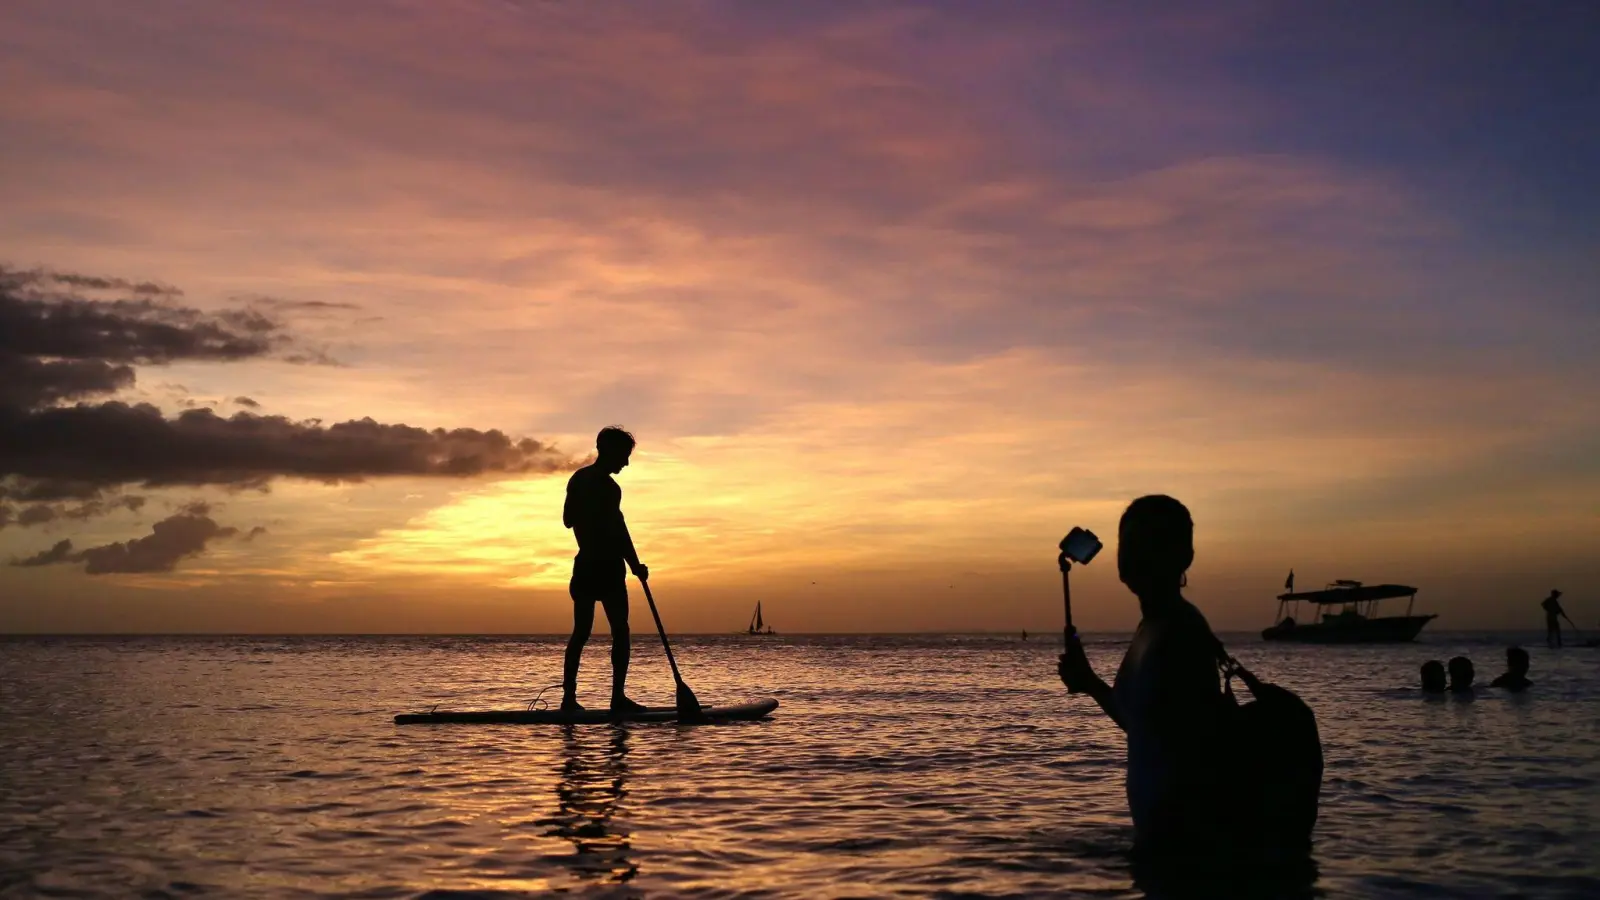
(663, 632)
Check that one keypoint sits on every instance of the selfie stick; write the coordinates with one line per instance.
(1067, 632)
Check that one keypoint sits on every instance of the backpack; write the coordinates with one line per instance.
(1275, 754)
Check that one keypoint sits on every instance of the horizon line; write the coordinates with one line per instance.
(564, 634)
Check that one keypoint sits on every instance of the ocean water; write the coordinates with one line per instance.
(896, 766)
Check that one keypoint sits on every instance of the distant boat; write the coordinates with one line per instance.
(756, 625)
(1356, 621)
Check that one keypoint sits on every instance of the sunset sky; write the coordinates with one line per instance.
(891, 295)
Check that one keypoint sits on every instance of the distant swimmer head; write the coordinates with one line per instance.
(1517, 660)
(1461, 673)
(1155, 545)
(1433, 677)
(614, 447)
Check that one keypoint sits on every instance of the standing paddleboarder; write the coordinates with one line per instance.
(1552, 619)
(594, 513)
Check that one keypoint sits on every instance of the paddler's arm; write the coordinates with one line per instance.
(628, 553)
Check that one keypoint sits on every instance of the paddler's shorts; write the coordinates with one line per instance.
(604, 581)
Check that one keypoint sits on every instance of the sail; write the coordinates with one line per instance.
(758, 616)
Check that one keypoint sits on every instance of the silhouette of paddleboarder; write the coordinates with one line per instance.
(1552, 619)
(594, 513)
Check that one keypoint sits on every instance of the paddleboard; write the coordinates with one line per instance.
(755, 709)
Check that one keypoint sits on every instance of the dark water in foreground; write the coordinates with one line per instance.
(951, 766)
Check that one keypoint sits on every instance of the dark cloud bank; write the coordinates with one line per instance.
(68, 454)
(171, 540)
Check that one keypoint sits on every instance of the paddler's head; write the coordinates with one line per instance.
(613, 446)
(1155, 545)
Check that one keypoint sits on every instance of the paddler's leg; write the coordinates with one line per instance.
(582, 624)
(616, 604)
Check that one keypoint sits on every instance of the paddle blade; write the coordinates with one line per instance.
(688, 704)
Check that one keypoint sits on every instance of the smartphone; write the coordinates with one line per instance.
(1080, 545)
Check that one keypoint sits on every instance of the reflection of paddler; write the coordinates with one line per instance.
(588, 795)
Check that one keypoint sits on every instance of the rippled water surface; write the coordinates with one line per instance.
(952, 766)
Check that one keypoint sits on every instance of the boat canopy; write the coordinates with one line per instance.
(1352, 592)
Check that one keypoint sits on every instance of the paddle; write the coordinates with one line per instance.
(1573, 624)
(688, 705)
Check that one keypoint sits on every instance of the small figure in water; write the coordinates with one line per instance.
(1167, 694)
(1552, 619)
(594, 513)
(1461, 675)
(1516, 677)
(1433, 677)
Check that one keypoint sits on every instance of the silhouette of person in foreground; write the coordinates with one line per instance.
(594, 513)
(1552, 619)
(1167, 694)
(1433, 677)
(1515, 678)
(1461, 675)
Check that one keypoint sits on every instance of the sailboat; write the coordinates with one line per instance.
(756, 624)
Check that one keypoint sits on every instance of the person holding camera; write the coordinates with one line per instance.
(1167, 695)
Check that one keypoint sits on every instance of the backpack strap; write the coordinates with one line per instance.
(1231, 667)
(1228, 666)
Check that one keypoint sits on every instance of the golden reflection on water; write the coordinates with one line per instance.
(897, 766)
(589, 794)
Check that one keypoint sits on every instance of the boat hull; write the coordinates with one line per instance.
(1383, 630)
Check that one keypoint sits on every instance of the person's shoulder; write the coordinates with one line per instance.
(1190, 622)
(1185, 633)
(582, 480)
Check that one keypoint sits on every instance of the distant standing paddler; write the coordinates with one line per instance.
(594, 513)
(1552, 618)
